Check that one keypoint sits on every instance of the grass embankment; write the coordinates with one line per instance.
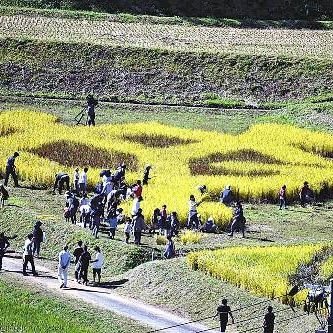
(27, 206)
(28, 309)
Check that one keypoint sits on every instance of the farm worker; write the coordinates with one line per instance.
(170, 250)
(283, 197)
(209, 226)
(77, 254)
(4, 245)
(202, 189)
(238, 220)
(193, 220)
(91, 104)
(76, 177)
(146, 177)
(63, 266)
(61, 179)
(136, 205)
(137, 189)
(138, 226)
(11, 169)
(226, 196)
(38, 236)
(84, 260)
(97, 264)
(83, 181)
(28, 257)
(224, 311)
(269, 321)
(306, 194)
(127, 229)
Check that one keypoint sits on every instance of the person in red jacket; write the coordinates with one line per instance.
(137, 189)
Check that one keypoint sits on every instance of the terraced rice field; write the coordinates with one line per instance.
(267, 42)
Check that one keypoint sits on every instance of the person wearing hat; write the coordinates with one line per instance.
(11, 169)
(226, 196)
(38, 236)
(61, 179)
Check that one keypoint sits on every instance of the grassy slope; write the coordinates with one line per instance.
(30, 309)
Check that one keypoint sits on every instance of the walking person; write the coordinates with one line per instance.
(61, 179)
(97, 264)
(63, 267)
(28, 257)
(4, 245)
(84, 261)
(77, 254)
(146, 177)
(83, 181)
(239, 220)
(38, 237)
(283, 197)
(269, 321)
(138, 226)
(224, 312)
(11, 170)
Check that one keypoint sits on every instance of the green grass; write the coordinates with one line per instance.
(28, 309)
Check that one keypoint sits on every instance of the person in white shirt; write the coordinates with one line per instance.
(63, 266)
(97, 264)
(83, 181)
(193, 220)
(136, 205)
(28, 256)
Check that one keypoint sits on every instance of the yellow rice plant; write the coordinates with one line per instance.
(190, 237)
(326, 269)
(160, 240)
(265, 271)
(256, 163)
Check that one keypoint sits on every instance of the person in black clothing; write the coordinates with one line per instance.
(37, 238)
(4, 195)
(11, 169)
(84, 261)
(269, 321)
(224, 311)
(61, 179)
(77, 254)
(4, 245)
(146, 177)
(91, 104)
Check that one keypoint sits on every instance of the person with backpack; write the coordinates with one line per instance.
(63, 267)
(38, 237)
(170, 250)
(84, 261)
(11, 169)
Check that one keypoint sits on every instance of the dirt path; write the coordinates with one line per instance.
(102, 297)
(270, 42)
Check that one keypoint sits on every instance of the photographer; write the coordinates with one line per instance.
(91, 104)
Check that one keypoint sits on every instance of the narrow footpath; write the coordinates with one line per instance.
(109, 300)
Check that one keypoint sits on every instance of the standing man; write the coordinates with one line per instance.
(97, 264)
(91, 104)
(283, 197)
(61, 179)
(4, 245)
(77, 254)
(28, 257)
(37, 238)
(63, 266)
(138, 226)
(224, 311)
(269, 321)
(11, 169)
(193, 220)
(238, 221)
(83, 181)
(84, 261)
